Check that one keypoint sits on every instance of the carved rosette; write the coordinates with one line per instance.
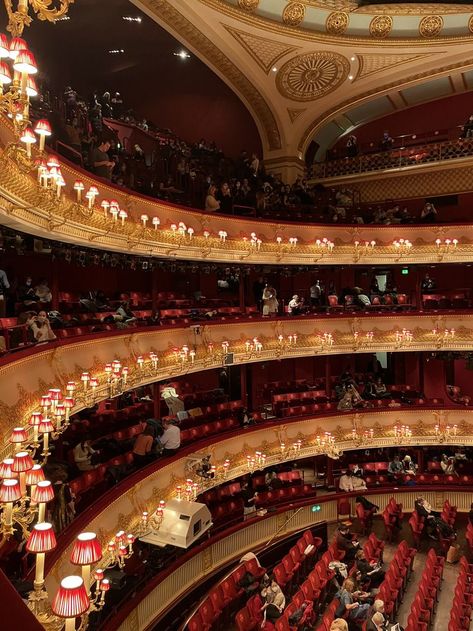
(293, 14)
(337, 23)
(248, 5)
(430, 26)
(381, 26)
(311, 76)
(470, 24)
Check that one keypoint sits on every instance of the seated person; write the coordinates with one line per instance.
(273, 598)
(272, 481)
(339, 624)
(349, 606)
(295, 305)
(83, 455)
(409, 465)
(377, 622)
(380, 389)
(395, 468)
(143, 447)
(26, 293)
(371, 571)
(42, 292)
(358, 471)
(369, 391)
(171, 438)
(435, 526)
(41, 327)
(448, 465)
(347, 542)
(361, 297)
(245, 418)
(349, 482)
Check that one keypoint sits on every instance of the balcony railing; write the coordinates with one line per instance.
(398, 158)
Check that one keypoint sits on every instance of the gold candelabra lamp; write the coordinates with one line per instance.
(361, 438)
(19, 13)
(292, 450)
(444, 336)
(402, 247)
(325, 444)
(403, 338)
(361, 340)
(363, 248)
(444, 431)
(445, 246)
(402, 433)
(323, 247)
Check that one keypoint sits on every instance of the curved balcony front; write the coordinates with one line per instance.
(187, 234)
(27, 375)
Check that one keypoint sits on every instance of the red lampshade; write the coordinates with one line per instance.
(18, 435)
(71, 598)
(10, 491)
(45, 427)
(16, 44)
(5, 75)
(105, 585)
(35, 475)
(43, 492)
(25, 62)
(78, 185)
(71, 386)
(55, 393)
(45, 399)
(68, 403)
(43, 128)
(41, 539)
(4, 47)
(35, 419)
(6, 469)
(22, 461)
(31, 87)
(86, 549)
(98, 574)
(28, 136)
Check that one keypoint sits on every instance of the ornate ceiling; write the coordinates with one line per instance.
(316, 69)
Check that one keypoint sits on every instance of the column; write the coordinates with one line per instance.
(330, 480)
(55, 286)
(154, 290)
(287, 168)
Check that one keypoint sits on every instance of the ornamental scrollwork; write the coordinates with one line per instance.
(293, 14)
(430, 26)
(337, 23)
(381, 26)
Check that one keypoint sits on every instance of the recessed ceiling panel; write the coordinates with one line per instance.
(428, 91)
(370, 110)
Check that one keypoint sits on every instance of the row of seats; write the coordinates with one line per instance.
(418, 525)
(423, 607)
(462, 608)
(392, 517)
(469, 537)
(424, 478)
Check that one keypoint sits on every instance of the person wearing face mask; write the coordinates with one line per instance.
(26, 292)
(41, 328)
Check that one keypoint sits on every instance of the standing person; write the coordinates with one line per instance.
(294, 306)
(211, 202)
(270, 303)
(352, 146)
(101, 163)
(62, 509)
(4, 285)
(315, 294)
(249, 497)
(224, 197)
(171, 438)
(170, 396)
(428, 213)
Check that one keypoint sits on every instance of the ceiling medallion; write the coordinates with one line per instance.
(381, 25)
(337, 23)
(430, 26)
(248, 5)
(293, 14)
(311, 76)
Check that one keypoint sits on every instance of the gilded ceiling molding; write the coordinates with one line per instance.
(373, 63)
(337, 23)
(312, 75)
(430, 26)
(381, 26)
(209, 51)
(306, 34)
(294, 113)
(293, 13)
(248, 5)
(265, 52)
(378, 91)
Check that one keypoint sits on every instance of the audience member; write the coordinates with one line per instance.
(409, 465)
(84, 455)
(42, 292)
(371, 571)
(349, 482)
(171, 438)
(270, 302)
(41, 327)
(249, 497)
(295, 305)
(273, 599)
(346, 541)
(448, 465)
(101, 162)
(428, 213)
(211, 202)
(427, 283)
(381, 390)
(315, 294)
(349, 605)
(143, 447)
(352, 146)
(386, 142)
(376, 623)
(395, 468)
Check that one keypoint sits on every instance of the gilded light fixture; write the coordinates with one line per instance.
(20, 17)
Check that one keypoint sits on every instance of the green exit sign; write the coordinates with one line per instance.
(405, 271)
(316, 508)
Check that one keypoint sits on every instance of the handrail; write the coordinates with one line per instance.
(397, 158)
(117, 621)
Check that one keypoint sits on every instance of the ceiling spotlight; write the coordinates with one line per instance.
(116, 51)
(183, 54)
(274, 69)
(129, 18)
(350, 76)
(352, 58)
